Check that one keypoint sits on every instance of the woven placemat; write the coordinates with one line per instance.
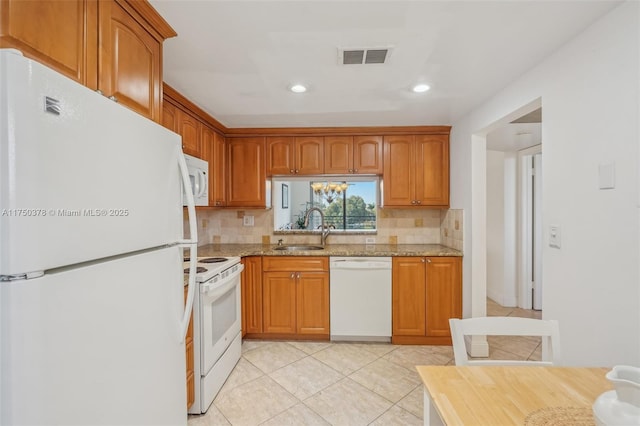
(561, 416)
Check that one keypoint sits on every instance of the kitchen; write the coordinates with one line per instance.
(604, 58)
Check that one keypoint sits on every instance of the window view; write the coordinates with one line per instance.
(348, 204)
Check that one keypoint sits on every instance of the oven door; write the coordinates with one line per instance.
(220, 317)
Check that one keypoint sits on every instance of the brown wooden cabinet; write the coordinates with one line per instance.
(186, 125)
(246, 178)
(288, 155)
(60, 34)
(251, 279)
(111, 45)
(191, 392)
(295, 297)
(353, 155)
(426, 292)
(416, 171)
(213, 150)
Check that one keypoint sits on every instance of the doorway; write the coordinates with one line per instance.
(514, 212)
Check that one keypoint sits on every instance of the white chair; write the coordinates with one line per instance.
(506, 326)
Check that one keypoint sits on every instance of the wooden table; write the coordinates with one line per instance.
(497, 395)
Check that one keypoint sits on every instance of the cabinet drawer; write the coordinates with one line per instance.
(295, 263)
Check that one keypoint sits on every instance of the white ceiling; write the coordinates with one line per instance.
(236, 59)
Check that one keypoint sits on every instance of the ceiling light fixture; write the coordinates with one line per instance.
(420, 88)
(298, 88)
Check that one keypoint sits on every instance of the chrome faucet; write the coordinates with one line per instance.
(325, 232)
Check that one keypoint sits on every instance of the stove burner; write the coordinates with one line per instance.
(212, 260)
(199, 270)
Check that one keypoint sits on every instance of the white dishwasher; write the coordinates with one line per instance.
(360, 296)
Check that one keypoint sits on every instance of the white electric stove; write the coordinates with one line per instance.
(216, 326)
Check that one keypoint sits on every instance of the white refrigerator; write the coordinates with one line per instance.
(92, 313)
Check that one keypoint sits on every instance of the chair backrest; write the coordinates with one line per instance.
(506, 326)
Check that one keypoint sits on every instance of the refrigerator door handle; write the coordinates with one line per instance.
(191, 243)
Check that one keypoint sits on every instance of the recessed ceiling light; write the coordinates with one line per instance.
(298, 88)
(420, 88)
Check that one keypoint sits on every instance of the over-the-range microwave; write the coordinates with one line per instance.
(199, 176)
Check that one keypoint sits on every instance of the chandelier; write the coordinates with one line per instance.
(330, 191)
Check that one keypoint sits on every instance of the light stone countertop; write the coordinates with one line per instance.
(242, 250)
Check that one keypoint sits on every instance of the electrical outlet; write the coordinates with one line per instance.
(205, 223)
(370, 240)
(247, 221)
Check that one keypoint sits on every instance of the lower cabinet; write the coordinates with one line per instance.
(251, 279)
(426, 292)
(191, 391)
(294, 295)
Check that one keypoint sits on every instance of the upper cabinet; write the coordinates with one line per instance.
(111, 45)
(246, 177)
(60, 34)
(288, 155)
(214, 150)
(353, 155)
(416, 171)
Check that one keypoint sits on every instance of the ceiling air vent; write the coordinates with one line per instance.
(360, 56)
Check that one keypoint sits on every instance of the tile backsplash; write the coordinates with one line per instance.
(401, 226)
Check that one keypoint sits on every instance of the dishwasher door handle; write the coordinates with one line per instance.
(350, 265)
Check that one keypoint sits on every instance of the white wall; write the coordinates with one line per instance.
(501, 227)
(589, 91)
(495, 226)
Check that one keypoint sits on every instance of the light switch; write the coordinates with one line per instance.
(554, 236)
(247, 221)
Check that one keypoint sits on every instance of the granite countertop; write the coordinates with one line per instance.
(227, 250)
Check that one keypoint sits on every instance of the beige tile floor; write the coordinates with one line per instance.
(312, 383)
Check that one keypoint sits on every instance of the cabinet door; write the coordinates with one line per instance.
(398, 177)
(408, 296)
(189, 128)
(309, 152)
(169, 116)
(129, 61)
(252, 295)
(279, 302)
(60, 34)
(280, 158)
(432, 170)
(312, 302)
(338, 154)
(367, 154)
(444, 294)
(218, 172)
(246, 186)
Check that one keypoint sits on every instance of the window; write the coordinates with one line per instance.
(348, 203)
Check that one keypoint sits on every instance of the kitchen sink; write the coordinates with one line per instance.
(298, 248)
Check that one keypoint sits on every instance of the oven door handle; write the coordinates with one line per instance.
(216, 290)
(191, 243)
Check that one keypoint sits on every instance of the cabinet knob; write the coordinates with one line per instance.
(113, 98)
(298, 275)
(350, 170)
(428, 260)
(297, 170)
(413, 201)
(218, 203)
(99, 92)
(419, 202)
(355, 170)
(291, 171)
(293, 275)
(423, 260)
